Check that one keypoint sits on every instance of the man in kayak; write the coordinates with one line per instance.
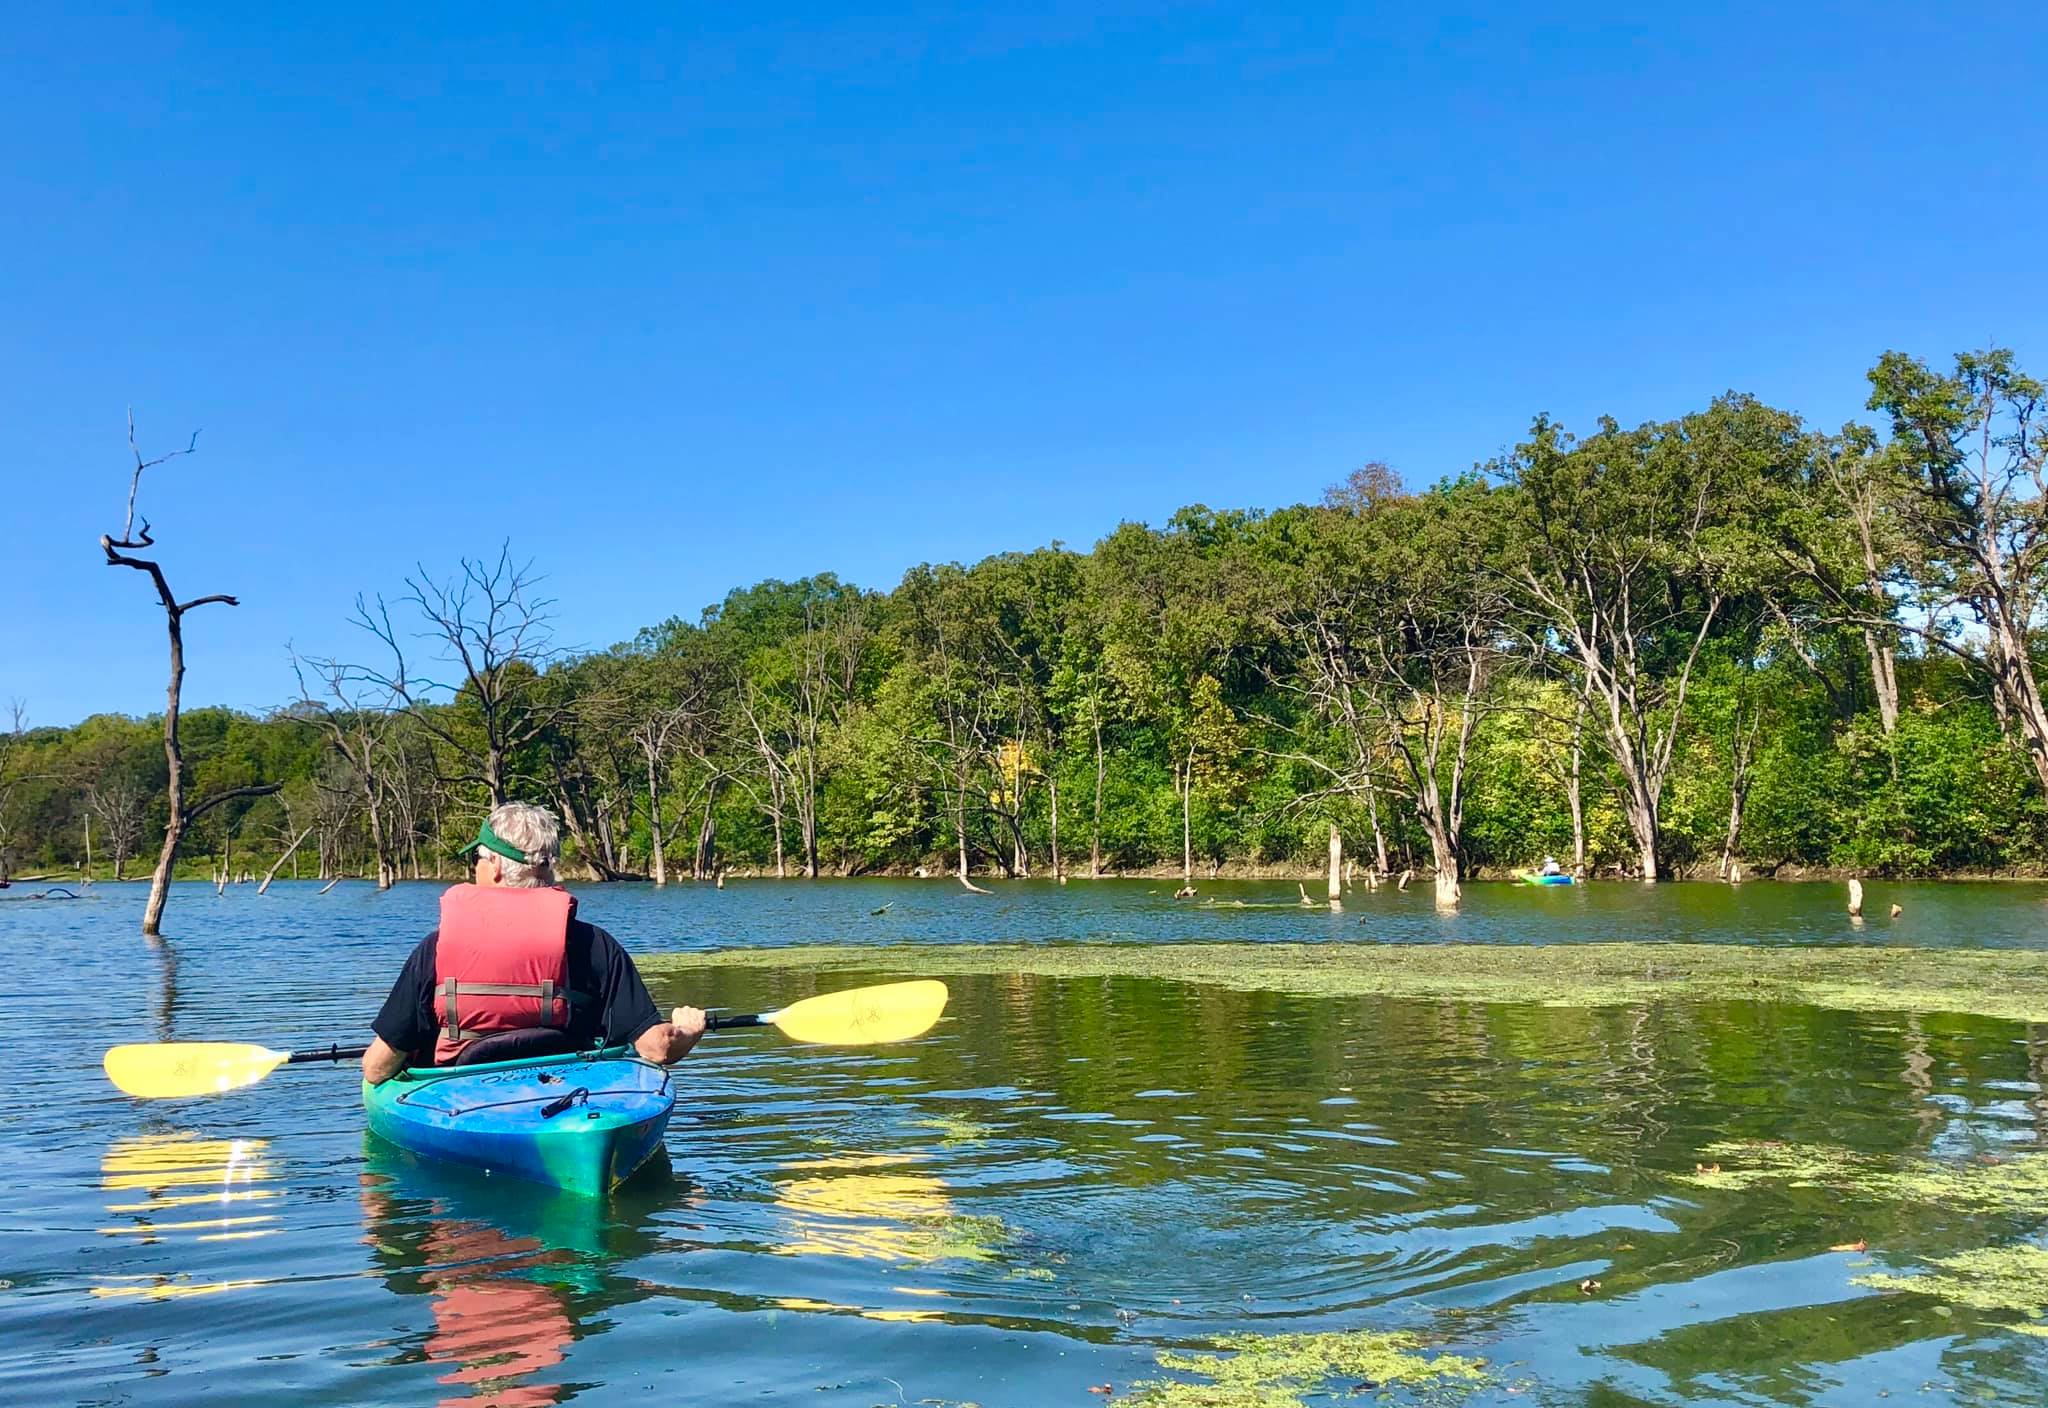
(512, 972)
(1551, 867)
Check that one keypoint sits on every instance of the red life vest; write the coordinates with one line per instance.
(501, 963)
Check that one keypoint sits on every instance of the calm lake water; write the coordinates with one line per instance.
(1063, 1179)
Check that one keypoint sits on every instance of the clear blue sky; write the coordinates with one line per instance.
(682, 298)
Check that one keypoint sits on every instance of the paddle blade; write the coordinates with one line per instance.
(865, 1016)
(165, 1070)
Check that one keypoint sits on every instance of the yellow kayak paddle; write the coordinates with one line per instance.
(856, 1017)
(167, 1070)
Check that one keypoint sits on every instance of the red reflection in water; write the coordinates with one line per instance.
(495, 1326)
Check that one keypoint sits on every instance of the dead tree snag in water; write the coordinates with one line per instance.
(178, 815)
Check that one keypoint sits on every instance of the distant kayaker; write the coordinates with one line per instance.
(1551, 867)
(512, 972)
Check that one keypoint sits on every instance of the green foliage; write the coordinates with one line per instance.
(1694, 607)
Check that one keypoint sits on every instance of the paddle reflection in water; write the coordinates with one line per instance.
(880, 1207)
(515, 1271)
(182, 1189)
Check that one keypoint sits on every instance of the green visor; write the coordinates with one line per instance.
(492, 841)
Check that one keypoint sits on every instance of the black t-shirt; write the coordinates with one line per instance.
(621, 1010)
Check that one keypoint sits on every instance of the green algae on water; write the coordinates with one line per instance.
(2011, 1279)
(1282, 1371)
(2017, 1184)
(959, 1237)
(2007, 983)
(956, 1129)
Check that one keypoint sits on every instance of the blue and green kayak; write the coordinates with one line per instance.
(1530, 877)
(580, 1123)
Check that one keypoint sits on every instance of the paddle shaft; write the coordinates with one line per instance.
(745, 1019)
(355, 1053)
(332, 1053)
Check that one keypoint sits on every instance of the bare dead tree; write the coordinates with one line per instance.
(180, 815)
(11, 780)
(413, 792)
(593, 784)
(968, 715)
(1397, 653)
(661, 727)
(1745, 726)
(120, 804)
(354, 714)
(488, 626)
(286, 854)
(334, 809)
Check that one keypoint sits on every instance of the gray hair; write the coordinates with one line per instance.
(535, 831)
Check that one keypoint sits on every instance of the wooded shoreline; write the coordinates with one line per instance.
(1723, 645)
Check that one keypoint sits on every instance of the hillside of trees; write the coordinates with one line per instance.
(1649, 651)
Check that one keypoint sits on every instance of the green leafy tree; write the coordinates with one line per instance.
(1971, 450)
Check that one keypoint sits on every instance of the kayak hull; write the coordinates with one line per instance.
(579, 1123)
(1530, 877)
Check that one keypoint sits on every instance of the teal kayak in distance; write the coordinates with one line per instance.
(1530, 877)
(581, 1123)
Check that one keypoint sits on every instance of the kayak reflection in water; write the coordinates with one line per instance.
(512, 972)
(494, 1326)
(513, 1273)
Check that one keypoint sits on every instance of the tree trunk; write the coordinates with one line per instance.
(387, 868)
(1443, 856)
(657, 864)
(1884, 681)
(1379, 837)
(1574, 791)
(1447, 891)
(1336, 866)
(1052, 793)
(1020, 859)
(174, 762)
(1742, 752)
(1641, 810)
(1737, 795)
(289, 853)
(1095, 839)
(2016, 674)
(707, 835)
(810, 813)
(1187, 809)
(960, 822)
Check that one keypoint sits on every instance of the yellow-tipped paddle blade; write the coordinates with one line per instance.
(165, 1070)
(864, 1016)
